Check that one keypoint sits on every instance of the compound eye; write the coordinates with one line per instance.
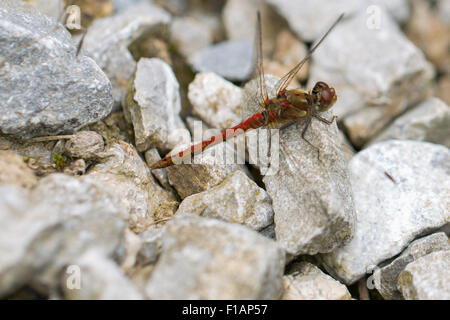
(328, 95)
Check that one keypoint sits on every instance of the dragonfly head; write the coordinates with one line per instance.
(324, 96)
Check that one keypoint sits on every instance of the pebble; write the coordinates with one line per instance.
(189, 35)
(377, 74)
(44, 88)
(427, 278)
(309, 283)
(303, 16)
(392, 214)
(232, 59)
(123, 173)
(153, 105)
(237, 200)
(215, 100)
(385, 279)
(429, 121)
(85, 144)
(205, 258)
(14, 171)
(108, 39)
(36, 245)
(101, 279)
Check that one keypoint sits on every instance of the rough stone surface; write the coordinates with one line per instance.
(311, 193)
(427, 278)
(43, 230)
(152, 156)
(206, 170)
(303, 16)
(231, 59)
(215, 100)
(429, 121)
(44, 88)
(108, 39)
(391, 214)
(310, 283)
(377, 74)
(153, 105)
(386, 277)
(237, 200)
(123, 173)
(206, 258)
(13, 170)
(101, 279)
(85, 144)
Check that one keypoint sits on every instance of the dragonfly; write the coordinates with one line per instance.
(287, 106)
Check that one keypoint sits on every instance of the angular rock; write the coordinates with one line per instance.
(13, 170)
(152, 156)
(311, 194)
(188, 35)
(205, 171)
(153, 105)
(151, 245)
(108, 39)
(429, 121)
(303, 16)
(310, 283)
(44, 88)
(43, 230)
(123, 173)
(231, 59)
(206, 258)
(377, 74)
(385, 279)
(215, 100)
(101, 279)
(427, 278)
(85, 144)
(389, 213)
(237, 200)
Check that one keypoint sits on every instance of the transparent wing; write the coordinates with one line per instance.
(287, 78)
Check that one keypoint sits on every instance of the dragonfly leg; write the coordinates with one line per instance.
(308, 122)
(328, 122)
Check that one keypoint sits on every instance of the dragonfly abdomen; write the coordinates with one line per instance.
(255, 121)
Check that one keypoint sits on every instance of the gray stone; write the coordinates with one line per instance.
(310, 283)
(13, 170)
(45, 229)
(377, 74)
(427, 278)
(151, 245)
(205, 171)
(429, 121)
(385, 279)
(311, 193)
(189, 35)
(303, 16)
(390, 214)
(215, 100)
(152, 156)
(237, 200)
(44, 88)
(231, 59)
(206, 258)
(123, 173)
(153, 105)
(51, 8)
(85, 144)
(101, 279)
(108, 39)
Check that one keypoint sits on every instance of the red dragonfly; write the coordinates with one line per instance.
(287, 107)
